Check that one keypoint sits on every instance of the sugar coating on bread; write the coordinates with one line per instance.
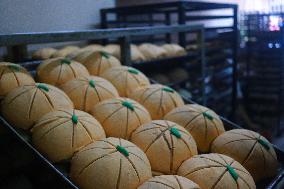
(26, 104)
(216, 171)
(13, 76)
(169, 182)
(86, 92)
(59, 134)
(250, 149)
(166, 144)
(202, 123)
(120, 116)
(126, 79)
(58, 71)
(157, 99)
(110, 163)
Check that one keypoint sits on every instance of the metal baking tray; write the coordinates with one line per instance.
(61, 169)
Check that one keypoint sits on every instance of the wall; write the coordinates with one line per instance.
(49, 15)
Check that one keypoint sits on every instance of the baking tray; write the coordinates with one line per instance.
(61, 169)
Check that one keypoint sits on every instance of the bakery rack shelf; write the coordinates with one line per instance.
(186, 12)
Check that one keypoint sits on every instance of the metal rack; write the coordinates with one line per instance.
(61, 170)
(188, 12)
(264, 76)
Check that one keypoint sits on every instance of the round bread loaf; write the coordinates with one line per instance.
(110, 163)
(202, 123)
(126, 79)
(168, 182)
(44, 53)
(136, 55)
(120, 116)
(166, 145)
(59, 134)
(65, 51)
(113, 49)
(174, 50)
(93, 47)
(158, 99)
(151, 51)
(250, 149)
(13, 76)
(58, 71)
(23, 106)
(216, 171)
(97, 62)
(86, 92)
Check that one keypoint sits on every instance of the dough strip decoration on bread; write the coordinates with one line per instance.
(133, 71)
(175, 132)
(122, 150)
(208, 116)
(14, 67)
(232, 171)
(264, 143)
(65, 61)
(168, 89)
(128, 105)
(74, 119)
(92, 83)
(104, 54)
(43, 87)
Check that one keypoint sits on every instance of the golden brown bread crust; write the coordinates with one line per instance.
(86, 92)
(157, 99)
(201, 122)
(174, 50)
(97, 62)
(166, 145)
(151, 51)
(65, 51)
(216, 171)
(104, 165)
(26, 104)
(250, 149)
(113, 49)
(13, 76)
(120, 116)
(59, 134)
(126, 79)
(58, 71)
(168, 182)
(44, 53)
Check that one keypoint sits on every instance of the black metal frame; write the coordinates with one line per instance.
(120, 17)
(256, 30)
(125, 35)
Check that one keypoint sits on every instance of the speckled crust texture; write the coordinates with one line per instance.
(126, 79)
(169, 182)
(96, 62)
(26, 104)
(60, 134)
(117, 119)
(165, 150)
(157, 99)
(101, 166)
(247, 148)
(86, 92)
(210, 171)
(201, 122)
(58, 71)
(13, 76)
